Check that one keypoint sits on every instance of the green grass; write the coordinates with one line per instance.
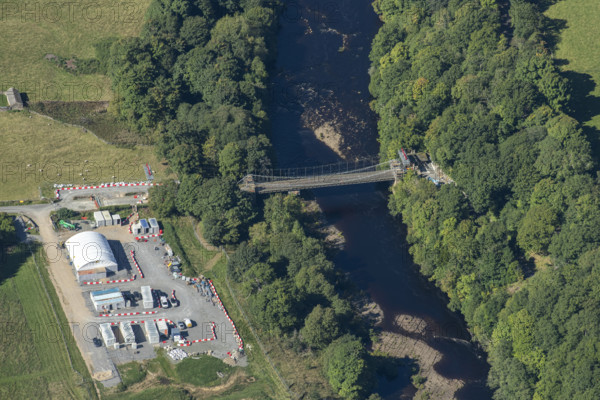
(92, 115)
(302, 371)
(34, 362)
(46, 27)
(203, 371)
(3, 101)
(164, 392)
(259, 368)
(131, 373)
(179, 234)
(578, 45)
(57, 148)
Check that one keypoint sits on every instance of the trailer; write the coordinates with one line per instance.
(147, 298)
(163, 327)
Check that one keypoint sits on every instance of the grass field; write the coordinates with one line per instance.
(179, 233)
(3, 101)
(57, 148)
(34, 29)
(34, 362)
(579, 47)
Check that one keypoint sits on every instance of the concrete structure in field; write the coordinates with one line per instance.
(99, 218)
(127, 332)
(91, 256)
(108, 335)
(147, 298)
(144, 225)
(116, 219)
(152, 332)
(107, 218)
(108, 299)
(154, 228)
(14, 99)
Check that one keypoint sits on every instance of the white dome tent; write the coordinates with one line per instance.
(91, 255)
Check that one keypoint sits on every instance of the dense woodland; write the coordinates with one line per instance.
(515, 243)
(195, 82)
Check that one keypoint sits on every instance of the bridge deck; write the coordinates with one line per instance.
(320, 181)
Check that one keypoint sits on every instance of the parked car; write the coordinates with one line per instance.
(164, 302)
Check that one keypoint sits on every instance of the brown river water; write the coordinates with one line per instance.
(320, 89)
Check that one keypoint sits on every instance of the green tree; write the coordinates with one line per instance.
(537, 229)
(162, 199)
(345, 363)
(321, 327)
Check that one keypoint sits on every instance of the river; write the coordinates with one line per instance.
(320, 84)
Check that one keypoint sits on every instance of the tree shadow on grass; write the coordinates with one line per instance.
(584, 106)
(12, 258)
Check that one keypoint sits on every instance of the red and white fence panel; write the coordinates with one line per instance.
(136, 264)
(235, 331)
(57, 192)
(113, 281)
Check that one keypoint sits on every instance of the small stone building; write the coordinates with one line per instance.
(14, 99)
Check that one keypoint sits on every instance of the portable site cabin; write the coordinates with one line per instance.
(127, 332)
(145, 226)
(99, 218)
(152, 332)
(147, 297)
(116, 219)
(136, 228)
(107, 218)
(107, 335)
(91, 255)
(108, 299)
(163, 327)
(154, 229)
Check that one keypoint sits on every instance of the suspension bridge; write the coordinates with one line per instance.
(340, 174)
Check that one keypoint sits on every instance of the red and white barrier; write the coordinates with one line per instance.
(148, 236)
(190, 342)
(137, 265)
(113, 281)
(235, 331)
(127, 314)
(104, 186)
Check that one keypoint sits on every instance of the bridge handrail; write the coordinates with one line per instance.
(274, 178)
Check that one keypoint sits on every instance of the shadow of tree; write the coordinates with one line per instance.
(553, 28)
(11, 259)
(584, 105)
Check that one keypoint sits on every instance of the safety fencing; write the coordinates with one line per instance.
(113, 281)
(136, 264)
(57, 192)
(128, 314)
(235, 331)
(190, 342)
(148, 236)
